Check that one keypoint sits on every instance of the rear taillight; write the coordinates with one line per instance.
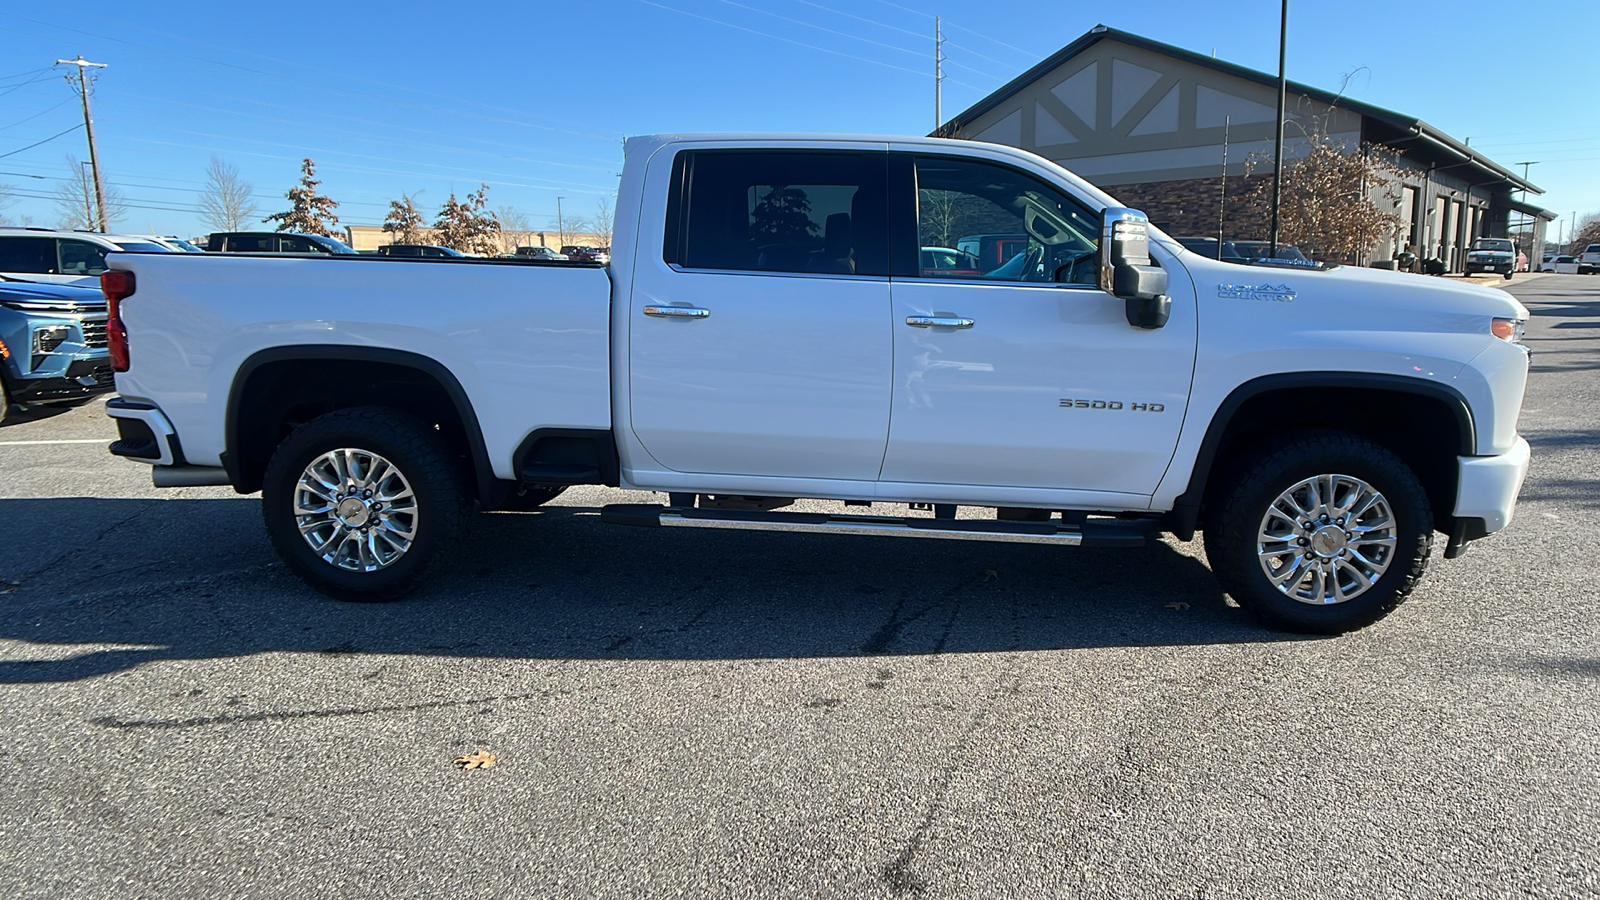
(117, 286)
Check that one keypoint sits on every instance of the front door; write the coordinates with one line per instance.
(761, 341)
(1023, 373)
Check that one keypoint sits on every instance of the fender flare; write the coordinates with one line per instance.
(1185, 515)
(483, 470)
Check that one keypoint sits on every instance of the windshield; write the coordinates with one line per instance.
(144, 247)
(332, 246)
(1501, 246)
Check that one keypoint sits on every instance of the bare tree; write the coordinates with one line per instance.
(404, 223)
(604, 221)
(516, 229)
(468, 225)
(1588, 232)
(225, 203)
(571, 228)
(75, 207)
(309, 212)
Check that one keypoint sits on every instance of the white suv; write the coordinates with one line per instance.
(64, 257)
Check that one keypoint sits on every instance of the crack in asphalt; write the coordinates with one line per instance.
(114, 722)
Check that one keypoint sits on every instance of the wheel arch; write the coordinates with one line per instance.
(1437, 427)
(276, 388)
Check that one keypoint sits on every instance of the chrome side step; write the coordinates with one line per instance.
(1068, 534)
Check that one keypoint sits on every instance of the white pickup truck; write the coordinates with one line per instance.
(769, 329)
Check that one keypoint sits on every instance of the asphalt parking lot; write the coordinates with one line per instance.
(733, 714)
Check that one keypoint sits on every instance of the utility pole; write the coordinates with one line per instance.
(1283, 96)
(561, 225)
(88, 126)
(938, 75)
(87, 194)
(1222, 201)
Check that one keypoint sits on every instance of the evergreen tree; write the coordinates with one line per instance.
(782, 214)
(405, 222)
(468, 225)
(309, 212)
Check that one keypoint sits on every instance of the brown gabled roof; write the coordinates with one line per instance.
(1444, 142)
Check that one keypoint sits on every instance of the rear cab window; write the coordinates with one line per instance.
(819, 212)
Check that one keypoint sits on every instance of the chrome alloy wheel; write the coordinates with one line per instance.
(1326, 540)
(355, 509)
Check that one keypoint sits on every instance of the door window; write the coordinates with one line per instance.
(819, 212)
(28, 255)
(1002, 224)
(291, 244)
(82, 258)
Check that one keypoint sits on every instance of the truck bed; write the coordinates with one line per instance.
(508, 331)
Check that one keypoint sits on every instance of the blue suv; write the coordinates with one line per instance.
(53, 345)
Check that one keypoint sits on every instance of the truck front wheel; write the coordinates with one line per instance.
(1321, 532)
(358, 502)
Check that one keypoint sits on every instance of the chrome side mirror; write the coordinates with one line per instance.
(1126, 271)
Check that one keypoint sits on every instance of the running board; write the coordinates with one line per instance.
(1111, 533)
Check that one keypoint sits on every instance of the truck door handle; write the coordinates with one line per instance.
(676, 312)
(938, 322)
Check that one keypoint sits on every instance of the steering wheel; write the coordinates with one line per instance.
(1033, 265)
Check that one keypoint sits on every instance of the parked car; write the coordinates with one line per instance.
(175, 244)
(426, 250)
(1560, 265)
(276, 242)
(587, 254)
(1263, 250)
(992, 250)
(64, 257)
(1589, 260)
(1212, 248)
(1497, 255)
(947, 261)
(544, 253)
(53, 346)
(1115, 386)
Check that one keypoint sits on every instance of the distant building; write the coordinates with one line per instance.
(371, 237)
(1146, 122)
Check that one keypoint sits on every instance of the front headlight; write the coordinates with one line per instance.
(49, 337)
(1507, 329)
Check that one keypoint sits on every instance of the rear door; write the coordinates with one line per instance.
(760, 339)
(1008, 376)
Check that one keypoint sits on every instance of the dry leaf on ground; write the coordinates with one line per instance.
(482, 759)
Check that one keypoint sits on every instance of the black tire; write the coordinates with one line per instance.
(443, 502)
(1236, 514)
(5, 401)
(528, 497)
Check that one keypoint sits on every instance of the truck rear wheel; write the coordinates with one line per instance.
(1322, 532)
(358, 502)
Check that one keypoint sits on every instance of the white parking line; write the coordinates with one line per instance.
(38, 443)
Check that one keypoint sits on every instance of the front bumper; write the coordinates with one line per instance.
(1486, 492)
(84, 378)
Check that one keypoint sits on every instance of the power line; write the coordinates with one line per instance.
(779, 37)
(854, 37)
(276, 79)
(35, 115)
(45, 141)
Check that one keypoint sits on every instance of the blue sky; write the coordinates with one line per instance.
(534, 99)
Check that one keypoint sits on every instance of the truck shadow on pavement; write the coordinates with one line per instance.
(138, 581)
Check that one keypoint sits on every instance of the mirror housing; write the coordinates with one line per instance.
(1126, 271)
